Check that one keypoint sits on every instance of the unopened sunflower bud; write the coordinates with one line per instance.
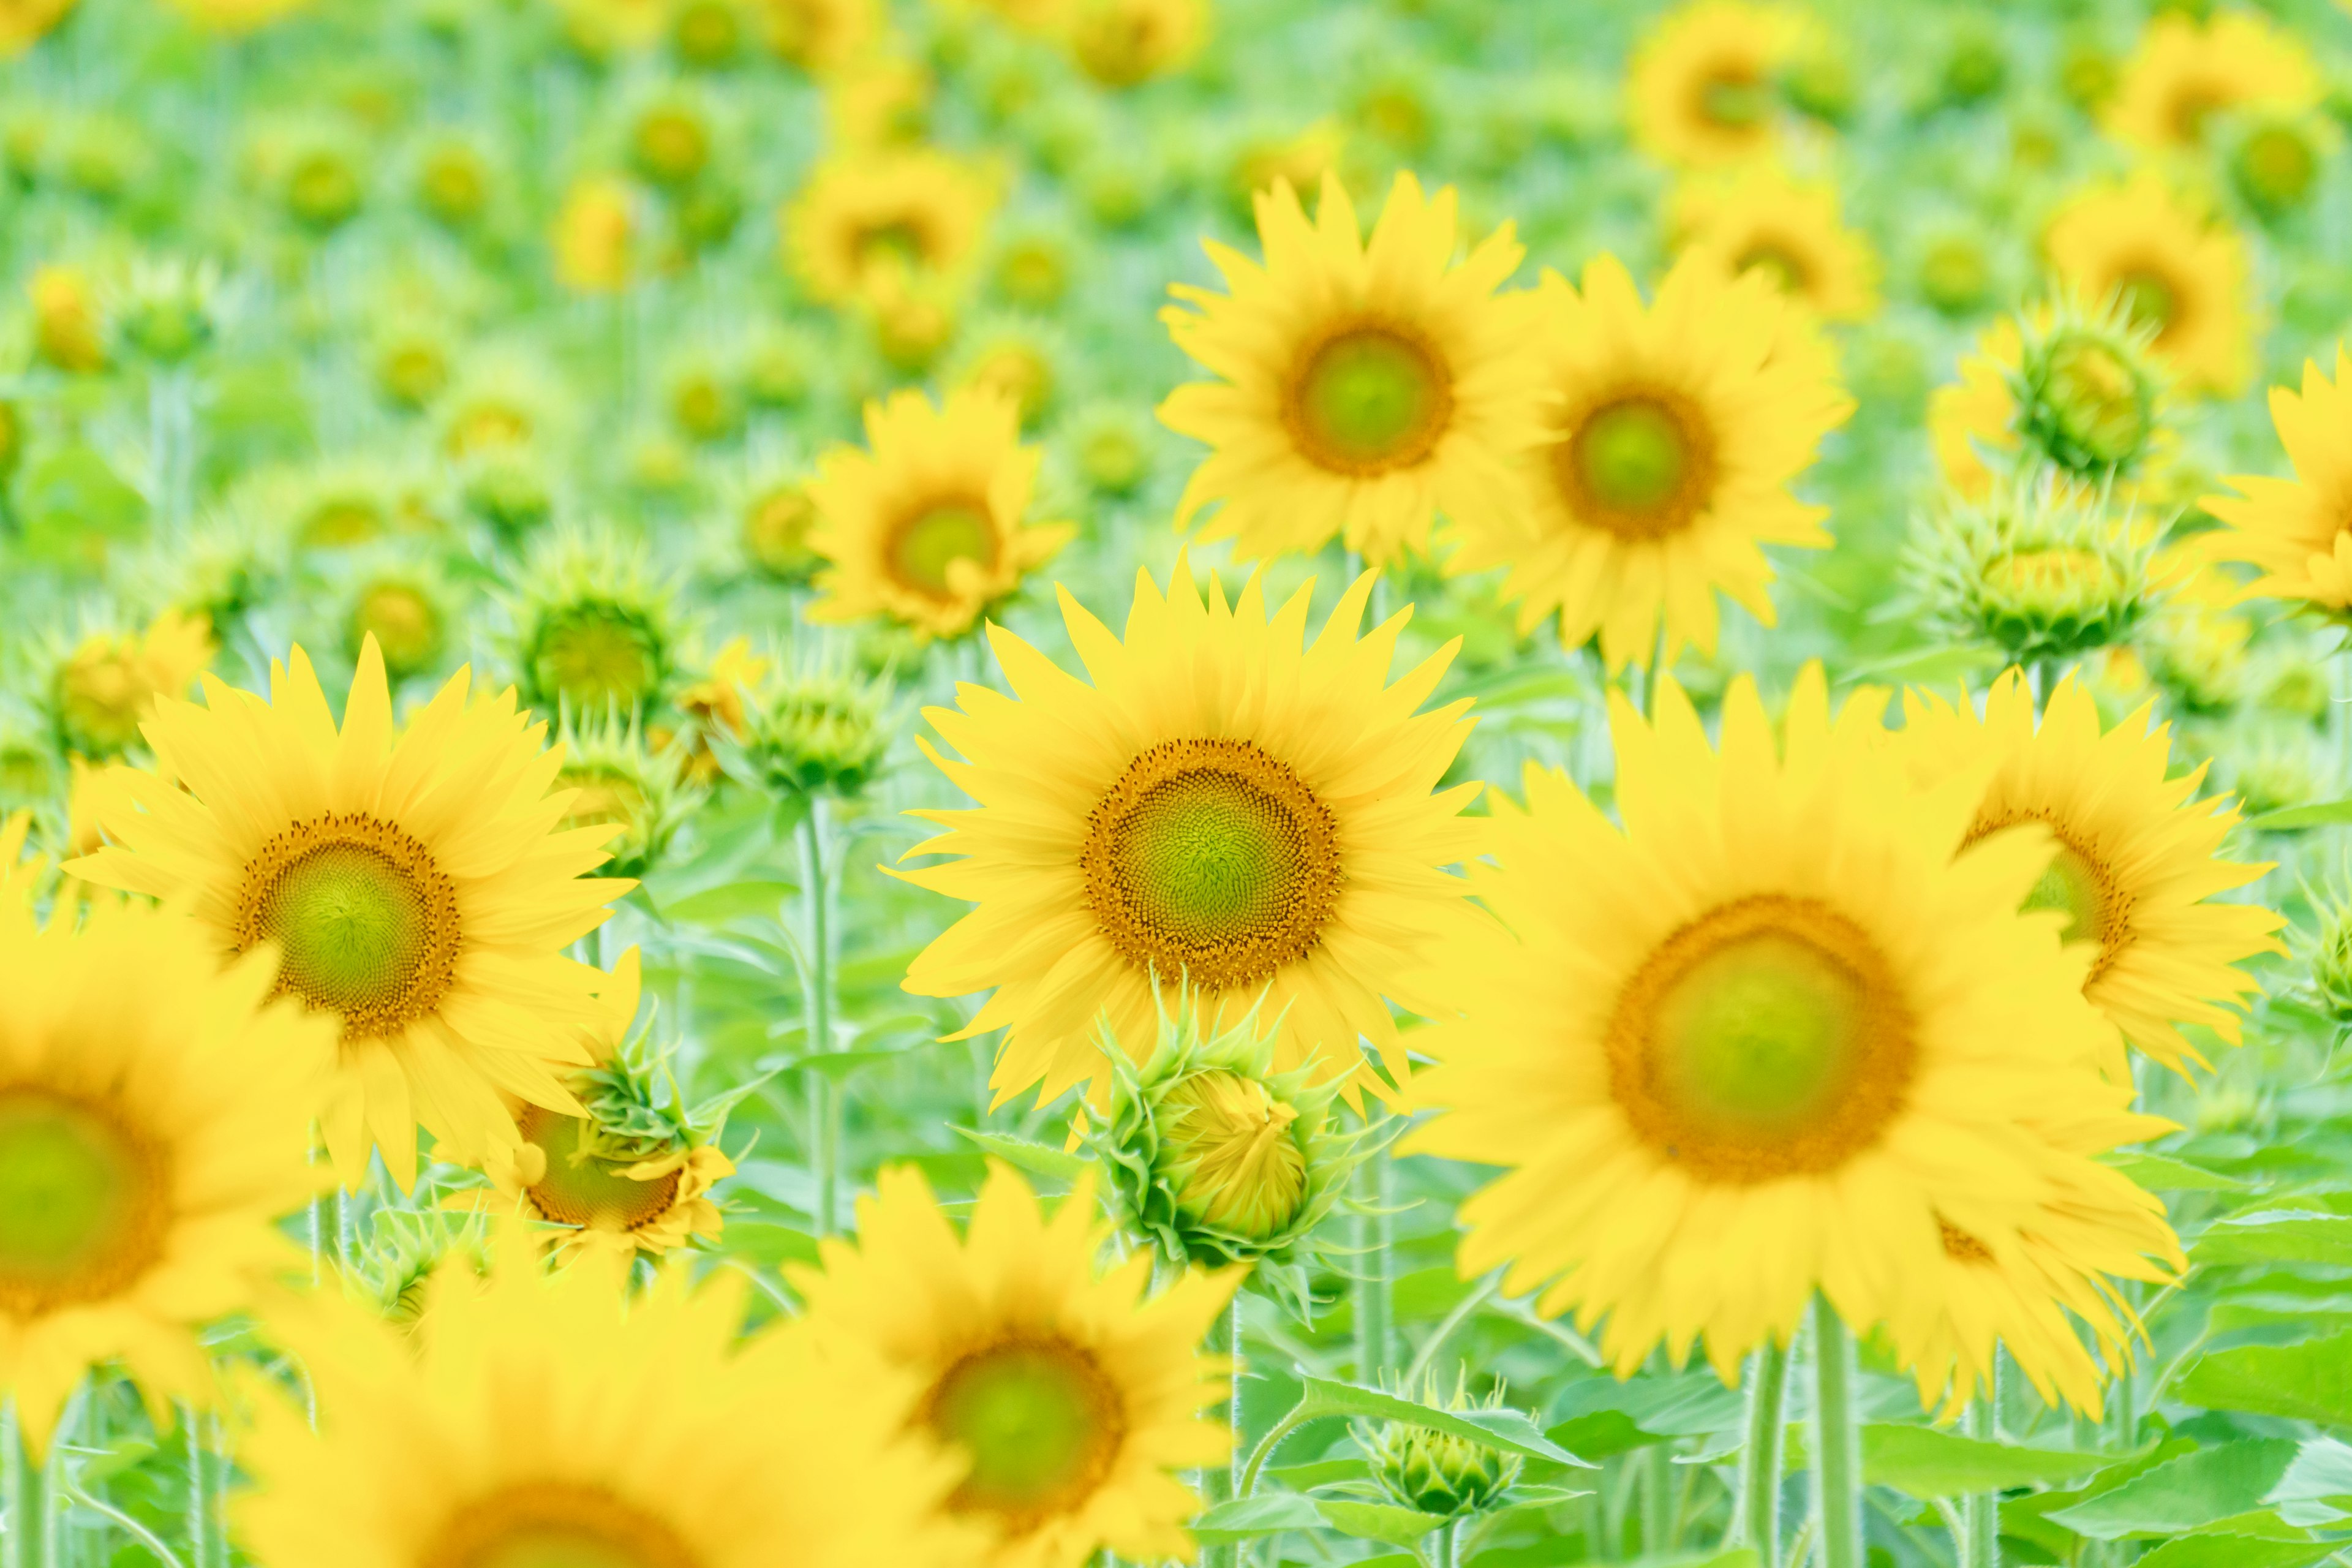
(626, 782)
(166, 312)
(2036, 571)
(2275, 166)
(815, 732)
(2089, 393)
(1436, 1472)
(2329, 956)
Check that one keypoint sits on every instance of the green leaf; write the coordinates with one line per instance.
(2321, 1474)
(1037, 1159)
(1249, 1517)
(1925, 1463)
(2275, 1235)
(2183, 1494)
(2162, 1173)
(2026, 1518)
(1505, 1429)
(1320, 1473)
(731, 901)
(2261, 1540)
(2323, 814)
(2307, 1381)
(1381, 1522)
(1602, 1434)
(765, 1242)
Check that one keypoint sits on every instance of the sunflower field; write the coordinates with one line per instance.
(1086, 783)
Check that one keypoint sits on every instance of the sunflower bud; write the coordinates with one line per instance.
(2089, 393)
(1955, 274)
(406, 1249)
(626, 783)
(815, 732)
(2275, 166)
(166, 312)
(2038, 571)
(1112, 446)
(2329, 955)
(593, 629)
(406, 613)
(1436, 1472)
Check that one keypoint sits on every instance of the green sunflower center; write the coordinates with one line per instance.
(1765, 1039)
(1370, 399)
(1639, 465)
(1213, 860)
(365, 922)
(2148, 298)
(925, 548)
(2080, 886)
(405, 622)
(1040, 1423)
(556, 1525)
(81, 1202)
(1784, 266)
(896, 245)
(1734, 100)
(2275, 167)
(776, 529)
(582, 1189)
(341, 520)
(2089, 406)
(596, 656)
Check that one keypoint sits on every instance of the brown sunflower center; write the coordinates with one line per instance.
(1368, 398)
(84, 1202)
(925, 546)
(581, 1189)
(1041, 1421)
(1732, 98)
(556, 1524)
(891, 245)
(1788, 269)
(1767, 1038)
(365, 921)
(2078, 884)
(1641, 465)
(1213, 860)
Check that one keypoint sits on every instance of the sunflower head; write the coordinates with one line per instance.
(106, 687)
(2328, 953)
(593, 628)
(2275, 162)
(1436, 1472)
(818, 730)
(626, 782)
(1955, 274)
(454, 183)
(2088, 389)
(167, 312)
(670, 141)
(69, 330)
(408, 612)
(1112, 447)
(1119, 43)
(2035, 570)
(596, 236)
(394, 1270)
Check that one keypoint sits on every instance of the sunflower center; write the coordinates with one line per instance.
(1211, 858)
(2148, 298)
(581, 1189)
(365, 921)
(898, 244)
(1784, 266)
(82, 1202)
(1768, 1038)
(1041, 1422)
(2094, 408)
(596, 656)
(2078, 885)
(1242, 1169)
(1639, 465)
(1733, 100)
(406, 624)
(1369, 399)
(556, 1524)
(925, 548)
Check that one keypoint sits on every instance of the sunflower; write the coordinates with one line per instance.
(1364, 384)
(1219, 806)
(545, 1418)
(2173, 269)
(154, 1124)
(2299, 532)
(1066, 1393)
(2185, 71)
(1675, 432)
(1700, 85)
(108, 685)
(927, 523)
(1119, 43)
(1789, 229)
(413, 879)
(2137, 860)
(2076, 393)
(820, 35)
(1769, 1038)
(867, 221)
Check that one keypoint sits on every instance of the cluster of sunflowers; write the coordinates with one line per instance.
(485, 486)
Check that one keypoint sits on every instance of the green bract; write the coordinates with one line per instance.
(2032, 569)
(1438, 1472)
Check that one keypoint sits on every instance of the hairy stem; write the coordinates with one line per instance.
(1219, 1482)
(1756, 1521)
(824, 1111)
(1837, 1442)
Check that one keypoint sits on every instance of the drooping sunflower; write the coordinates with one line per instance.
(1365, 385)
(2137, 862)
(1067, 1394)
(1700, 87)
(2299, 532)
(2067, 390)
(873, 220)
(1769, 1038)
(1673, 433)
(2174, 269)
(548, 1418)
(1220, 808)
(1789, 229)
(929, 523)
(412, 877)
(154, 1125)
(2186, 70)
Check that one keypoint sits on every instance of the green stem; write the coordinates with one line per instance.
(1220, 1482)
(823, 1112)
(1836, 1442)
(22, 1492)
(1657, 1462)
(1980, 1545)
(1756, 1521)
(1445, 1540)
(199, 1491)
(1374, 1297)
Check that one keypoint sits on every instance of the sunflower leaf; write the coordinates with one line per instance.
(2321, 814)
(1037, 1159)
(1381, 1522)
(1249, 1517)
(2307, 1381)
(2277, 1235)
(2183, 1494)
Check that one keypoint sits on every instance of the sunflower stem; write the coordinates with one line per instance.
(1220, 1482)
(23, 1494)
(199, 1492)
(1836, 1442)
(1756, 1518)
(1657, 1495)
(823, 1112)
(1375, 1238)
(1980, 1514)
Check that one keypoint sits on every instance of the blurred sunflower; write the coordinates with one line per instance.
(2176, 271)
(1789, 229)
(154, 1125)
(927, 523)
(870, 220)
(1219, 806)
(24, 22)
(411, 879)
(1119, 43)
(2137, 862)
(1701, 86)
(820, 35)
(1673, 433)
(1364, 385)
(553, 1417)
(593, 629)
(1067, 1391)
(2186, 71)
(2062, 388)
(1774, 1037)
(107, 686)
(2299, 532)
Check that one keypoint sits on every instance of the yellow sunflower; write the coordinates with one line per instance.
(108, 685)
(1119, 43)
(154, 1125)
(820, 35)
(1789, 229)
(2299, 532)
(873, 220)
(24, 22)
(1774, 1037)
(2186, 71)
(553, 1418)
(1673, 433)
(2077, 391)
(1364, 385)
(1066, 1392)
(412, 877)
(927, 523)
(1219, 806)
(2137, 862)
(2174, 270)
(1700, 87)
